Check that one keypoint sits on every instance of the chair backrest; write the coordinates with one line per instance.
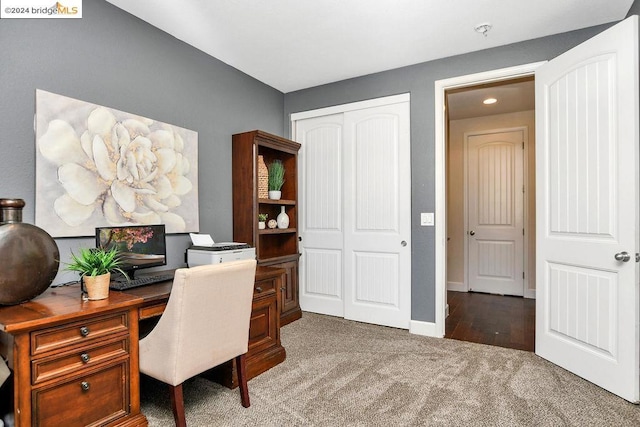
(205, 323)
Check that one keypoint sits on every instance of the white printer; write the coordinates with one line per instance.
(204, 251)
(219, 252)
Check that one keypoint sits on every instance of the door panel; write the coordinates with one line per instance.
(321, 224)
(587, 200)
(377, 215)
(496, 212)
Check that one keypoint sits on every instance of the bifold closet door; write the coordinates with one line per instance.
(355, 214)
(320, 221)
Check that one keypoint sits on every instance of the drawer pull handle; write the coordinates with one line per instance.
(85, 386)
(283, 289)
(258, 289)
(84, 331)
(85, 357)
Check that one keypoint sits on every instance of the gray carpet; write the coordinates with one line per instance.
(343, 373)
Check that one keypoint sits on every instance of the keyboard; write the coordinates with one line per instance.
(123, 284)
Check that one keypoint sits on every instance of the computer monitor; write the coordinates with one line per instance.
(141, 246)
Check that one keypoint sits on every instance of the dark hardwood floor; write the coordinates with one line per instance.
(491, 319)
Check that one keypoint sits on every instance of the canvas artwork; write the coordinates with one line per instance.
(97, 166)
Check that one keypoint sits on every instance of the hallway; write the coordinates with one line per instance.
(498, 320)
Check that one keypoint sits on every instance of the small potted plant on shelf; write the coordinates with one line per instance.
(95, 267)
(262, 218)
(276, 179)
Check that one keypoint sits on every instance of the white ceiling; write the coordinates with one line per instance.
(296, 44)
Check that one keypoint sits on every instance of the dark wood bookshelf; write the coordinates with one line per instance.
(274, 247)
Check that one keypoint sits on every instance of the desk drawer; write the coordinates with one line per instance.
(78, 332)
(263, 326)
(94, 399)
(150, 311)
(264, 287)
(69, 362)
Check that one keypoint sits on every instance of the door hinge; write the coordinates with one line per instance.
(523, 188)
(523, 145)
(523, 274)
(523, 231)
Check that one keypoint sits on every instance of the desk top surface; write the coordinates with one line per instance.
(64, 303)
(59, 304)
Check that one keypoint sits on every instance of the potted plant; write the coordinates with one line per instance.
(95, 267)
(262, 218)
(276, 179)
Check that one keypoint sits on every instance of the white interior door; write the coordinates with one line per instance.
(355, 216)
(587, 307)
(495, 212)
(321, 220)
(378, 215)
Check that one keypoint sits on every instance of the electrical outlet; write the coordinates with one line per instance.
(426, 219)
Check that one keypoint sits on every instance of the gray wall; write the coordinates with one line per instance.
(634, 9)
(114, 59)
(419, 81)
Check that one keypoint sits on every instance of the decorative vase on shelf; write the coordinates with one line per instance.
(275, 195)
(97, 286)
(263, 178)
(261, 225)
(29, 256)
(283, 218)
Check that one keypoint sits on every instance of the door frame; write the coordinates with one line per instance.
(525, 204)
(440, 172)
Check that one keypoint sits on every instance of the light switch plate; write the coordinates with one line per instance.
(426, 219)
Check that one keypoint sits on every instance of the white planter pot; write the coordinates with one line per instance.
(261, 225)
(275, 195)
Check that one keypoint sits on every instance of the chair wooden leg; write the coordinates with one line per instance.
(241, 367)
(177, 405)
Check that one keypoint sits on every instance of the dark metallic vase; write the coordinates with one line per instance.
(29, 257)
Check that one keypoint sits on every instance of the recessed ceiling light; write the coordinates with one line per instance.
(489, 101)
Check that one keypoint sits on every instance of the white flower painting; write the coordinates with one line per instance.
(96, 166)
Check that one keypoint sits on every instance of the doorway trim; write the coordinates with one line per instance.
(440, 172)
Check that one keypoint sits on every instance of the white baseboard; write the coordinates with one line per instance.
(427, 329)
(456, 286)
(530, 293)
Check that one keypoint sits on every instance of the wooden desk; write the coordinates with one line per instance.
(74, 362)
(265, 349)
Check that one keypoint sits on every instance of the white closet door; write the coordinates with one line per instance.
(355, 213)
(320, 223)
(377, 219)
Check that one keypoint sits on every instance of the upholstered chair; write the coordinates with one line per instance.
(205, 323)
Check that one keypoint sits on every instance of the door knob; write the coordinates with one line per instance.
(473, 233)
(403, 243)
(622, 256)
